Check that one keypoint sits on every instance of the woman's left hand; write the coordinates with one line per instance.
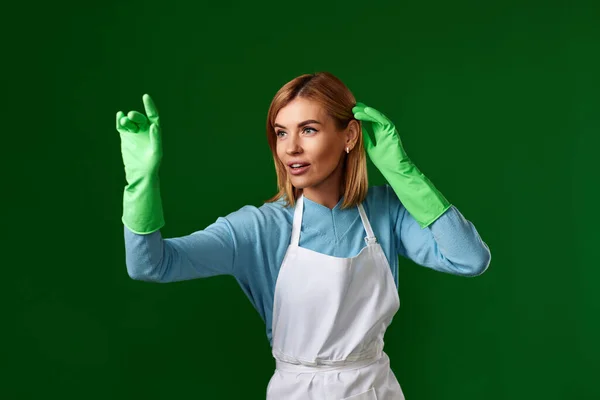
(420, 197)
(381, 139)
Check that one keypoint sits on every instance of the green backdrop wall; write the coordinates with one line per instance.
(497, 103)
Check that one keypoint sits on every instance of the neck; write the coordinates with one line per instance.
(328, 198)
(327, 193)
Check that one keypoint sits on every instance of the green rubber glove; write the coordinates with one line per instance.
(422, 200)
(141, 149)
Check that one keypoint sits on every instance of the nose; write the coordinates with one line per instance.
(293, 145)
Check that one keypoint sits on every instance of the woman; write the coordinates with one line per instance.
(319, 260)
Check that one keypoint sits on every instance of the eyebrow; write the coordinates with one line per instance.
(301, 124)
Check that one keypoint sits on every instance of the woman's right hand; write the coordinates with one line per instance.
(141, 148)
(141, 145)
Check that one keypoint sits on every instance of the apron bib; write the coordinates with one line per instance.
(330, 315)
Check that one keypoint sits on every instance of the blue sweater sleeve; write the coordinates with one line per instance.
(450, 244)
(205, 253)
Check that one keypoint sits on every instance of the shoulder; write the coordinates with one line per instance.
(382, 199)
(378, 194)
(253, 219)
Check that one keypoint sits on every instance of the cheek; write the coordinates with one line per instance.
(279, 151)
(327, 156)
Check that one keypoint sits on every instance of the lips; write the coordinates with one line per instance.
(300, 163)
(298, 170)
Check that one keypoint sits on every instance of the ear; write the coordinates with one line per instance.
(352, 131)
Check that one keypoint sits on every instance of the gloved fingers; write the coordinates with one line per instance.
(120, 114)
(128, 124)
(151, 111)
(377, 115)
(137, 117)
(363, 116)
(358, 107)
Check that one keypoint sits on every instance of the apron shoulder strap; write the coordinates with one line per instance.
(363, 216)
(297, 222)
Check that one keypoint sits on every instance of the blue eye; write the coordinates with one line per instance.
(305, 130)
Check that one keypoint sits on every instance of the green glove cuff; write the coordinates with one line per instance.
(142, 206)
(418, 195)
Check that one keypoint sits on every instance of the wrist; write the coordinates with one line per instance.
(417, 194)
(142, 205)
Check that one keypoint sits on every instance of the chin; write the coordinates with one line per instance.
(301, 183)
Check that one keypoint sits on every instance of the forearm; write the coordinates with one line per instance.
(459, 248)
(202, 254)
(416, 192)
(144, 255)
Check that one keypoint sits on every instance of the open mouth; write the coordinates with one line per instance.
(297, 166)
(296, 169)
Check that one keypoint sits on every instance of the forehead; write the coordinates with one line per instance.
(301, 109)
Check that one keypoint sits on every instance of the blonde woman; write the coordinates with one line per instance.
(319, 260)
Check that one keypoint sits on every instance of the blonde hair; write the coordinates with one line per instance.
(337, 100)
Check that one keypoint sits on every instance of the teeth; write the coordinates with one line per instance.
(296, 165)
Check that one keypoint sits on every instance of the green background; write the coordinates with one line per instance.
(497, 103)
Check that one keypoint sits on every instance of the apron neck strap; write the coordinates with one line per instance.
(297, 221)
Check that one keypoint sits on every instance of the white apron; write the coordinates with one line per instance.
(330, 315)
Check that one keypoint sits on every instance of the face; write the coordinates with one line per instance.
(307, 136)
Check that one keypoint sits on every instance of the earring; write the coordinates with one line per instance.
(347, 150)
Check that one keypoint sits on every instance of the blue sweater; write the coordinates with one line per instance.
(250, 244)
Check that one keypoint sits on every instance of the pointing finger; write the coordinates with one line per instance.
(151, 110)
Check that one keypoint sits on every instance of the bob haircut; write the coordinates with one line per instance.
(337, 101)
